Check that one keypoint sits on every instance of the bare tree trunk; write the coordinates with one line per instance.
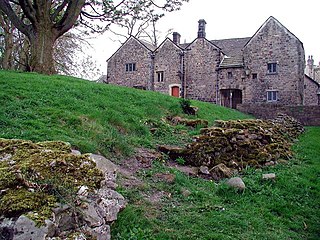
(42, 52)
(8, 28)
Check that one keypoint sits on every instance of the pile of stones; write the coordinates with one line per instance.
(240, 143)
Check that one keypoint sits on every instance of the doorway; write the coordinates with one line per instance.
(175, 91)
(231, 97)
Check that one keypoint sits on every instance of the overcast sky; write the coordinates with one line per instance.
(233, 19)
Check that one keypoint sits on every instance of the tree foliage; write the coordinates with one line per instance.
(44, 21)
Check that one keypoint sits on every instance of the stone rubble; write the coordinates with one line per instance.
(239, 143)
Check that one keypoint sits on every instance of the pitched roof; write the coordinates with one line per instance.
(231, 47)
(271, 18)
(231, 62)
(146, 45)
(168, 40)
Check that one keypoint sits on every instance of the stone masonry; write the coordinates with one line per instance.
(265, 68)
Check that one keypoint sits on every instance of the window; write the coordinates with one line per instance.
(254, 75)
(229, 75)
(130, 67)
(272, 96)
(160, 76)
(272, 68)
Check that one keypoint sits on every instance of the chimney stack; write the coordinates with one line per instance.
(176, 38)
(202, 28)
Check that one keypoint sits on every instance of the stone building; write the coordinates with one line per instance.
(265, 68)
(312, 70)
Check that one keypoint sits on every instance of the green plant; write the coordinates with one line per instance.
(186, 106)
(180, 161)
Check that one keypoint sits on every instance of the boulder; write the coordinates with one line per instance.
(88, 190)
(236, 183)
(269, 176)
(204, 170)
(221, 171)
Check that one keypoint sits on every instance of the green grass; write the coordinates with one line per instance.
(288, 208)
(114, 120)
(92, 117)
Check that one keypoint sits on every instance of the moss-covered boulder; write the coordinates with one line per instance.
(35, 176)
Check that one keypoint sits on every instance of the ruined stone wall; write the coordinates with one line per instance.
(275, 44)
(131, 52)
(311, 90)
(201, 61)
(307, 115)
(168, 59)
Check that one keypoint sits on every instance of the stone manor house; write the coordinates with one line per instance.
(265, 68)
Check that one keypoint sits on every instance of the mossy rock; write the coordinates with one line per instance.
(250, 142)
(33, 176)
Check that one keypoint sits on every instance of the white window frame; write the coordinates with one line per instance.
(272, 96)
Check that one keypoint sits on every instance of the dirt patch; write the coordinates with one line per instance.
(128, 168)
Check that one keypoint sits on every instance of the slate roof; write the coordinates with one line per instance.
(231, 47)
(229, 62)
(147, 45)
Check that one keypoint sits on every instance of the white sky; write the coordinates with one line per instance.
(233, 19)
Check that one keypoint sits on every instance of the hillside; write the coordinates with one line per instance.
(92, 117)
(163, 201)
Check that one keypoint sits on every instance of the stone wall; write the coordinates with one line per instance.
(307, 115)
(311, 90)
(168, 59)
(131, 52)
(202, 59)
(273, 43)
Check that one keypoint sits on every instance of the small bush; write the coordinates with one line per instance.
(186, 106)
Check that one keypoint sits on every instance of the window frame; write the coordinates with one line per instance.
(272, 68)
(229, 75)
(160, 76)
(272, 95)
(254, 76)
(131, 67)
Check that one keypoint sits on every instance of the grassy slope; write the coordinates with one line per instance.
(285, 209)
(92, 117)
(95, 117)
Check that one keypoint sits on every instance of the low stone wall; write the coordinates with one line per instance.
(307, 115)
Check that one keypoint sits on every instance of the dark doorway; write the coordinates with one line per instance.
(231, 97)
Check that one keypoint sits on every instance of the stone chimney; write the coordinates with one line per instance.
(309, 70)
(202, 28)
(310, 61)
(176, 37)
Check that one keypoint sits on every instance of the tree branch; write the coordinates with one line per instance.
(7, 9)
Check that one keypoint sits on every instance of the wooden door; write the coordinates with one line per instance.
(175, 91)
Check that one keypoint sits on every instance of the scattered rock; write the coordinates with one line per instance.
(188, 122)
(268, 164)
(221, 171)
(204, 170)
(269, 176)
(166, 177)
(236, 183)
(185, 192)
(75, 152)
